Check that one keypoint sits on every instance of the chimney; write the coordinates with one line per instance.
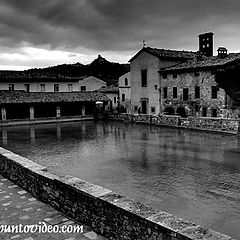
(206, 44)
(222, 52)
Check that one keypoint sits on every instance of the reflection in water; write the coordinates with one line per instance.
(190, 174)
(59, 133)
(32, 134)
(4, 137)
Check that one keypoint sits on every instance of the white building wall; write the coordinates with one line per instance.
(36, 86)
(126, 90)
(151, 63)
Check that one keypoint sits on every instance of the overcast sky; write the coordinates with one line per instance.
(38, 33)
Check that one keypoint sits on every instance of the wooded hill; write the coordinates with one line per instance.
(100, 68)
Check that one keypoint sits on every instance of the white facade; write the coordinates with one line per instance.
(40, 86)
(125, 92)
(91, 84)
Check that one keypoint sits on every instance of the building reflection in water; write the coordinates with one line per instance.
(59, 132)
(32, 134)
(4, 136)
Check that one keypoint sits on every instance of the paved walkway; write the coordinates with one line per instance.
(19, 207)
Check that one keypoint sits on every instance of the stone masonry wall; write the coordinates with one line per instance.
(114, 216)
(223, 125)
(205, 81)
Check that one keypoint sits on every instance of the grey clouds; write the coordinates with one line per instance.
(116, 26)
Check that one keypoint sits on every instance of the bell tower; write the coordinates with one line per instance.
(206, 44)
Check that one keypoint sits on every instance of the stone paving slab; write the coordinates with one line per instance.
(19, 207)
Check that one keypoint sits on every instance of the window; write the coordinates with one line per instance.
(165, 90)
(174, 92)
(153, 110)
(126, 81)
(155, 87)
(11, 87)
(214, 112)
(164, 75)
(204, 111)
(144, 77)
(56, 87)
(185, 94)
(123, 97)
(174, 75)
(197, 108)
(196, 74)
(197, 92)
(114, 99)
(83, 88)
(42, 87)
(70, 87)
(135, 108)
(214, 92)
(27, 87)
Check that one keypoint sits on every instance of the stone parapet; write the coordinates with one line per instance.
(210, 124)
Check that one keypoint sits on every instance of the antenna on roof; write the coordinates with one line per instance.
(144, 43)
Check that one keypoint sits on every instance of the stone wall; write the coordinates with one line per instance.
(193, 106)
(224, 125)
(110, 214)
(212, 124)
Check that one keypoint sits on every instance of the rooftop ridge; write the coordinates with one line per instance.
(172, 50)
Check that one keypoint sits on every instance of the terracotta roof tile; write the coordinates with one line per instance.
(32, 76)
(167, 53)
(40, 97)
(205, 63)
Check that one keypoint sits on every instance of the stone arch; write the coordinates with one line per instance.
(169, 110)
(181, 111)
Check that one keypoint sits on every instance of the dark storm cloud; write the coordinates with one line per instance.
(114, 24)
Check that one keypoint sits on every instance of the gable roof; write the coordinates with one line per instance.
(166, 53)
(206, 63)
(19, 96)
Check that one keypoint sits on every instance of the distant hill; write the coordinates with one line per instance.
(100, 68)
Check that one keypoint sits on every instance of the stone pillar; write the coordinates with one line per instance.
(4, 115)
(83, 110)
(31, 113)
(58, 112)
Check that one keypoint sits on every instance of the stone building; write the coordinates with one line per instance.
(193, 88)
(125, 93)
(144, 67)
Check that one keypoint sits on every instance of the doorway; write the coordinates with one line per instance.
(144, 106)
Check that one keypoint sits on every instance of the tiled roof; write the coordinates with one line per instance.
(205, 63)
(40, 97)
(32, 76)
(167, 53)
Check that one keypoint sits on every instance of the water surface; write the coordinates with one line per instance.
(193, 175)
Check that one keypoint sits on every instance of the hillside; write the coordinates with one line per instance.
(100, 67)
